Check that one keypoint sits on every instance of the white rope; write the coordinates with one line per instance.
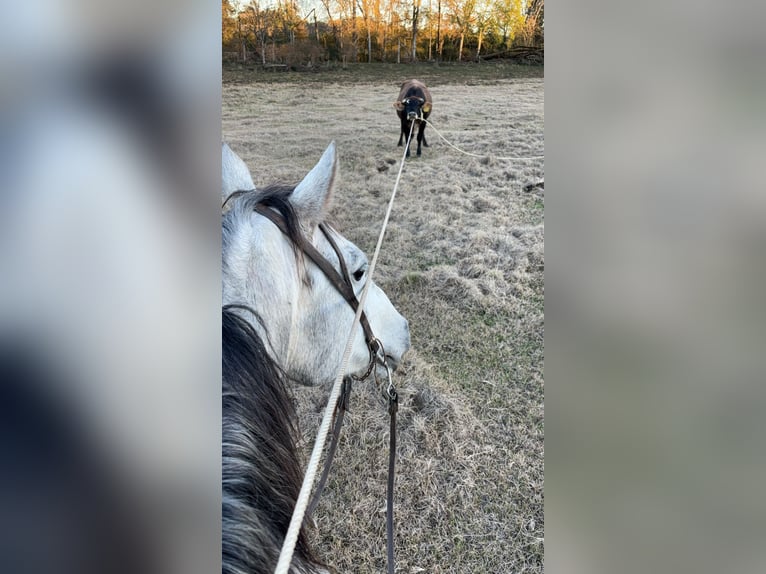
(288, 547)
(478, 155)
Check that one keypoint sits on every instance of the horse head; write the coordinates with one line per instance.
(302, 314)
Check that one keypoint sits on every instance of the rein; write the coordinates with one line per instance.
(342, 282)
(296, 522)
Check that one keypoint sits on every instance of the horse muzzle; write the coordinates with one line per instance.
(394, 354)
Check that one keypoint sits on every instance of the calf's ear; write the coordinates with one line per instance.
(427, 107)
(312, 197)
(399, 105)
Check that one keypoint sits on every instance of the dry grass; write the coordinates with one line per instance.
(463, 261)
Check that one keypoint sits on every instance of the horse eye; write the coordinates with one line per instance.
(359, 273)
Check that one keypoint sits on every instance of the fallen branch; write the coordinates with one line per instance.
(517, 52)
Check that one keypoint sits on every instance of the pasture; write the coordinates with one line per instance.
(463, 261)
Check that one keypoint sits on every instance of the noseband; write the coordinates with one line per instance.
(341, 281)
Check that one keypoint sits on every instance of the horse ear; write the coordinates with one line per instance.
(312, 196)
(234, 173)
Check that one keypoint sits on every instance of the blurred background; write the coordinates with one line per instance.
(656, 230)
(109, 286)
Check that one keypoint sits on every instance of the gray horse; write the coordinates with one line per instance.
(283, 320)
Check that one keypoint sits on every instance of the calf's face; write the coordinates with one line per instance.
(413, 107)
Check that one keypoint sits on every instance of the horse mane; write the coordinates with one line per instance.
(261, 472)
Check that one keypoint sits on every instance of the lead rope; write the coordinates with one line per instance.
(474, 154)
(288, 547)
(340, 411)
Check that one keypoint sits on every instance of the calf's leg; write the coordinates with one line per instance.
(403, 133)
(421, 135)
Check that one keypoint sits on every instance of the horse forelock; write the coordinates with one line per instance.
(243, 204)
(261, 472)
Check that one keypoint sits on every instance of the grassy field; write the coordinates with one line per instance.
(463, 261)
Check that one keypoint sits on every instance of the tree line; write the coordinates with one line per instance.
(281, 32)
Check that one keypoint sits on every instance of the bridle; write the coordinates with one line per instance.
(342, 282)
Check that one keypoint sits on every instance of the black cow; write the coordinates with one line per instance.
(414, 104)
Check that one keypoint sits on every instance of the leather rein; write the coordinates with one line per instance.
(342, 282)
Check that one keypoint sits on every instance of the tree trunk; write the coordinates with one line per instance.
(535, 15)
(460, 50)
(430, 29)
(389, 31)
(439, 41)
(383, 43)
(354, 33)
(331, 22)
(262, 36)
(242, 47)
(369, 43)
(481, 37)
(415, 15)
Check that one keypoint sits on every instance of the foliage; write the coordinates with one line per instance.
(229, 25)
(281, 32)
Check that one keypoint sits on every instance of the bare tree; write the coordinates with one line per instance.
(464, 15)
(366, 6)
(484, 21)
(465, 26)
(338, 37)
(390, 26)
(380, 26)
(347, 9)
(439, 38)
(533, 28)
(430, 29)
(257, 21)
(354, 32)
(415, 17)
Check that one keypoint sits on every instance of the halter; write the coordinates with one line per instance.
(341, 281)
(418, 117)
